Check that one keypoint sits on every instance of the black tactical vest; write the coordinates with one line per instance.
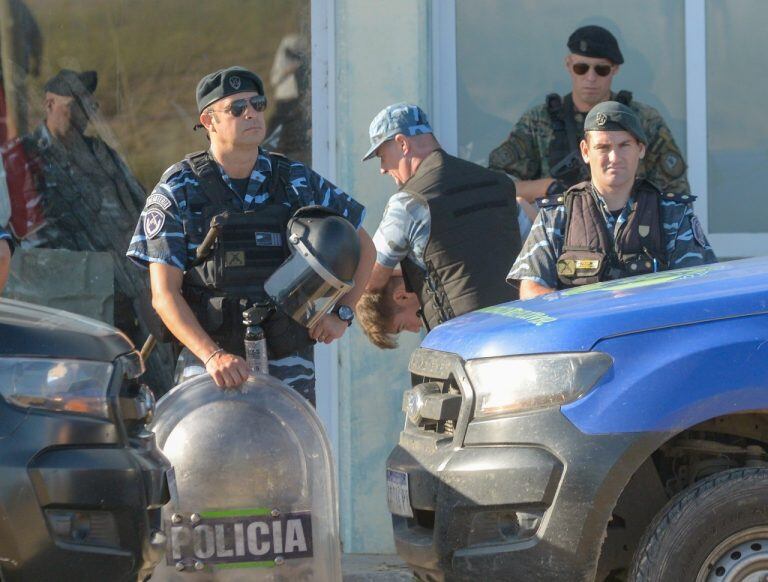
(591, 254)
(249, 247)
(474, 238)
(564, 156)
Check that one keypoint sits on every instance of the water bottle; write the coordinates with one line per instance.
(256, 350)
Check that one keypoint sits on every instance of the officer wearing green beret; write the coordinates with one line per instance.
(615, 225)
(542, 151)
(253, 192)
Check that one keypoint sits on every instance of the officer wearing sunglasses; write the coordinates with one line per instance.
(252, 193)
(542, 151)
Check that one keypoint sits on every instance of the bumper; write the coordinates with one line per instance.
(522, 497)
(111, 493)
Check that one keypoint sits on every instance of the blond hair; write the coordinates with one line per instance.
(375, 311)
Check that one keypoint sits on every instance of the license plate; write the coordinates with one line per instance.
(398, 493)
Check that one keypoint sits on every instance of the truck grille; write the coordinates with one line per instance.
(435, 402)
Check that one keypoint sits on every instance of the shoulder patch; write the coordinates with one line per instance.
(174, 170)
(154, 220)
(159, 197)
(681, 197)
(672, 164)
(550, 201)
(698, 232)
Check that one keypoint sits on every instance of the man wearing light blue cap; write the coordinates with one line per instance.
(450, 228)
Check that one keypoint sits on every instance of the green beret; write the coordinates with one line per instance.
(596, 42)
(226, 82)
(614, 116)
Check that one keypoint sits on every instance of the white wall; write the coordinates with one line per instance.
(381, 57)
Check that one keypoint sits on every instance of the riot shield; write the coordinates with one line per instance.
(253, 495)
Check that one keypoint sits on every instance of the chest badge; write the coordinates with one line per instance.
(234, 259)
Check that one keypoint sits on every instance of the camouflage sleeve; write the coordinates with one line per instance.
(664, 163)
(159, 236)
(403, 232)
(6, 236)
(690, 246)
(519, 155)
(537, 260)
(327, 194)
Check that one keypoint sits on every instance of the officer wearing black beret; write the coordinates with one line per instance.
(542, 151)
(252, 191)
(87, 198)
(613, 226)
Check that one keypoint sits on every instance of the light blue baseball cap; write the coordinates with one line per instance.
(398, 118)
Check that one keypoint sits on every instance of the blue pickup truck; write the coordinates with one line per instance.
(616, 431)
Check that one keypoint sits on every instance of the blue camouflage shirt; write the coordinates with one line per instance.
(171, 226)
(404, 231)
(686, 243)
(4, 235)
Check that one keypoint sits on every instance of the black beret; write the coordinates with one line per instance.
(226, 82)
(69, 83)
(597, 42)
(614, 116)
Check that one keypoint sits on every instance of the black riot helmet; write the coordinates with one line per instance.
(325, 252)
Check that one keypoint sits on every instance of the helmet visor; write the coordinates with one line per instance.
(301, 292)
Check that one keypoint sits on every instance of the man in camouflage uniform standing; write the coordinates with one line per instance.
(542, 152)
(615, 225)
(236, 177)
(90, 199)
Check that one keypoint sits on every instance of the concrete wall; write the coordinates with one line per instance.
(381, 58)
(81, 282)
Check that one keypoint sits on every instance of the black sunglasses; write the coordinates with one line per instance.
(238, 107)
(601, 70)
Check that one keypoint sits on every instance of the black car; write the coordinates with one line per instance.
(81, 479)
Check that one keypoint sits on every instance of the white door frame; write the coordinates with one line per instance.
(443, 81)
(323, 67)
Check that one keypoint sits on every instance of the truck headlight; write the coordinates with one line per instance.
(520, 383)
(74, 386)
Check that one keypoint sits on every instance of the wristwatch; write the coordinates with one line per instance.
(344, 313)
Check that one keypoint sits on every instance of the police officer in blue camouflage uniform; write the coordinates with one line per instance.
(6, 249)
(235, 178)
(613, 226)
(442, 230)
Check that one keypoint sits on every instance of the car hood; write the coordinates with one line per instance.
(35, 331)
(576, 319)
